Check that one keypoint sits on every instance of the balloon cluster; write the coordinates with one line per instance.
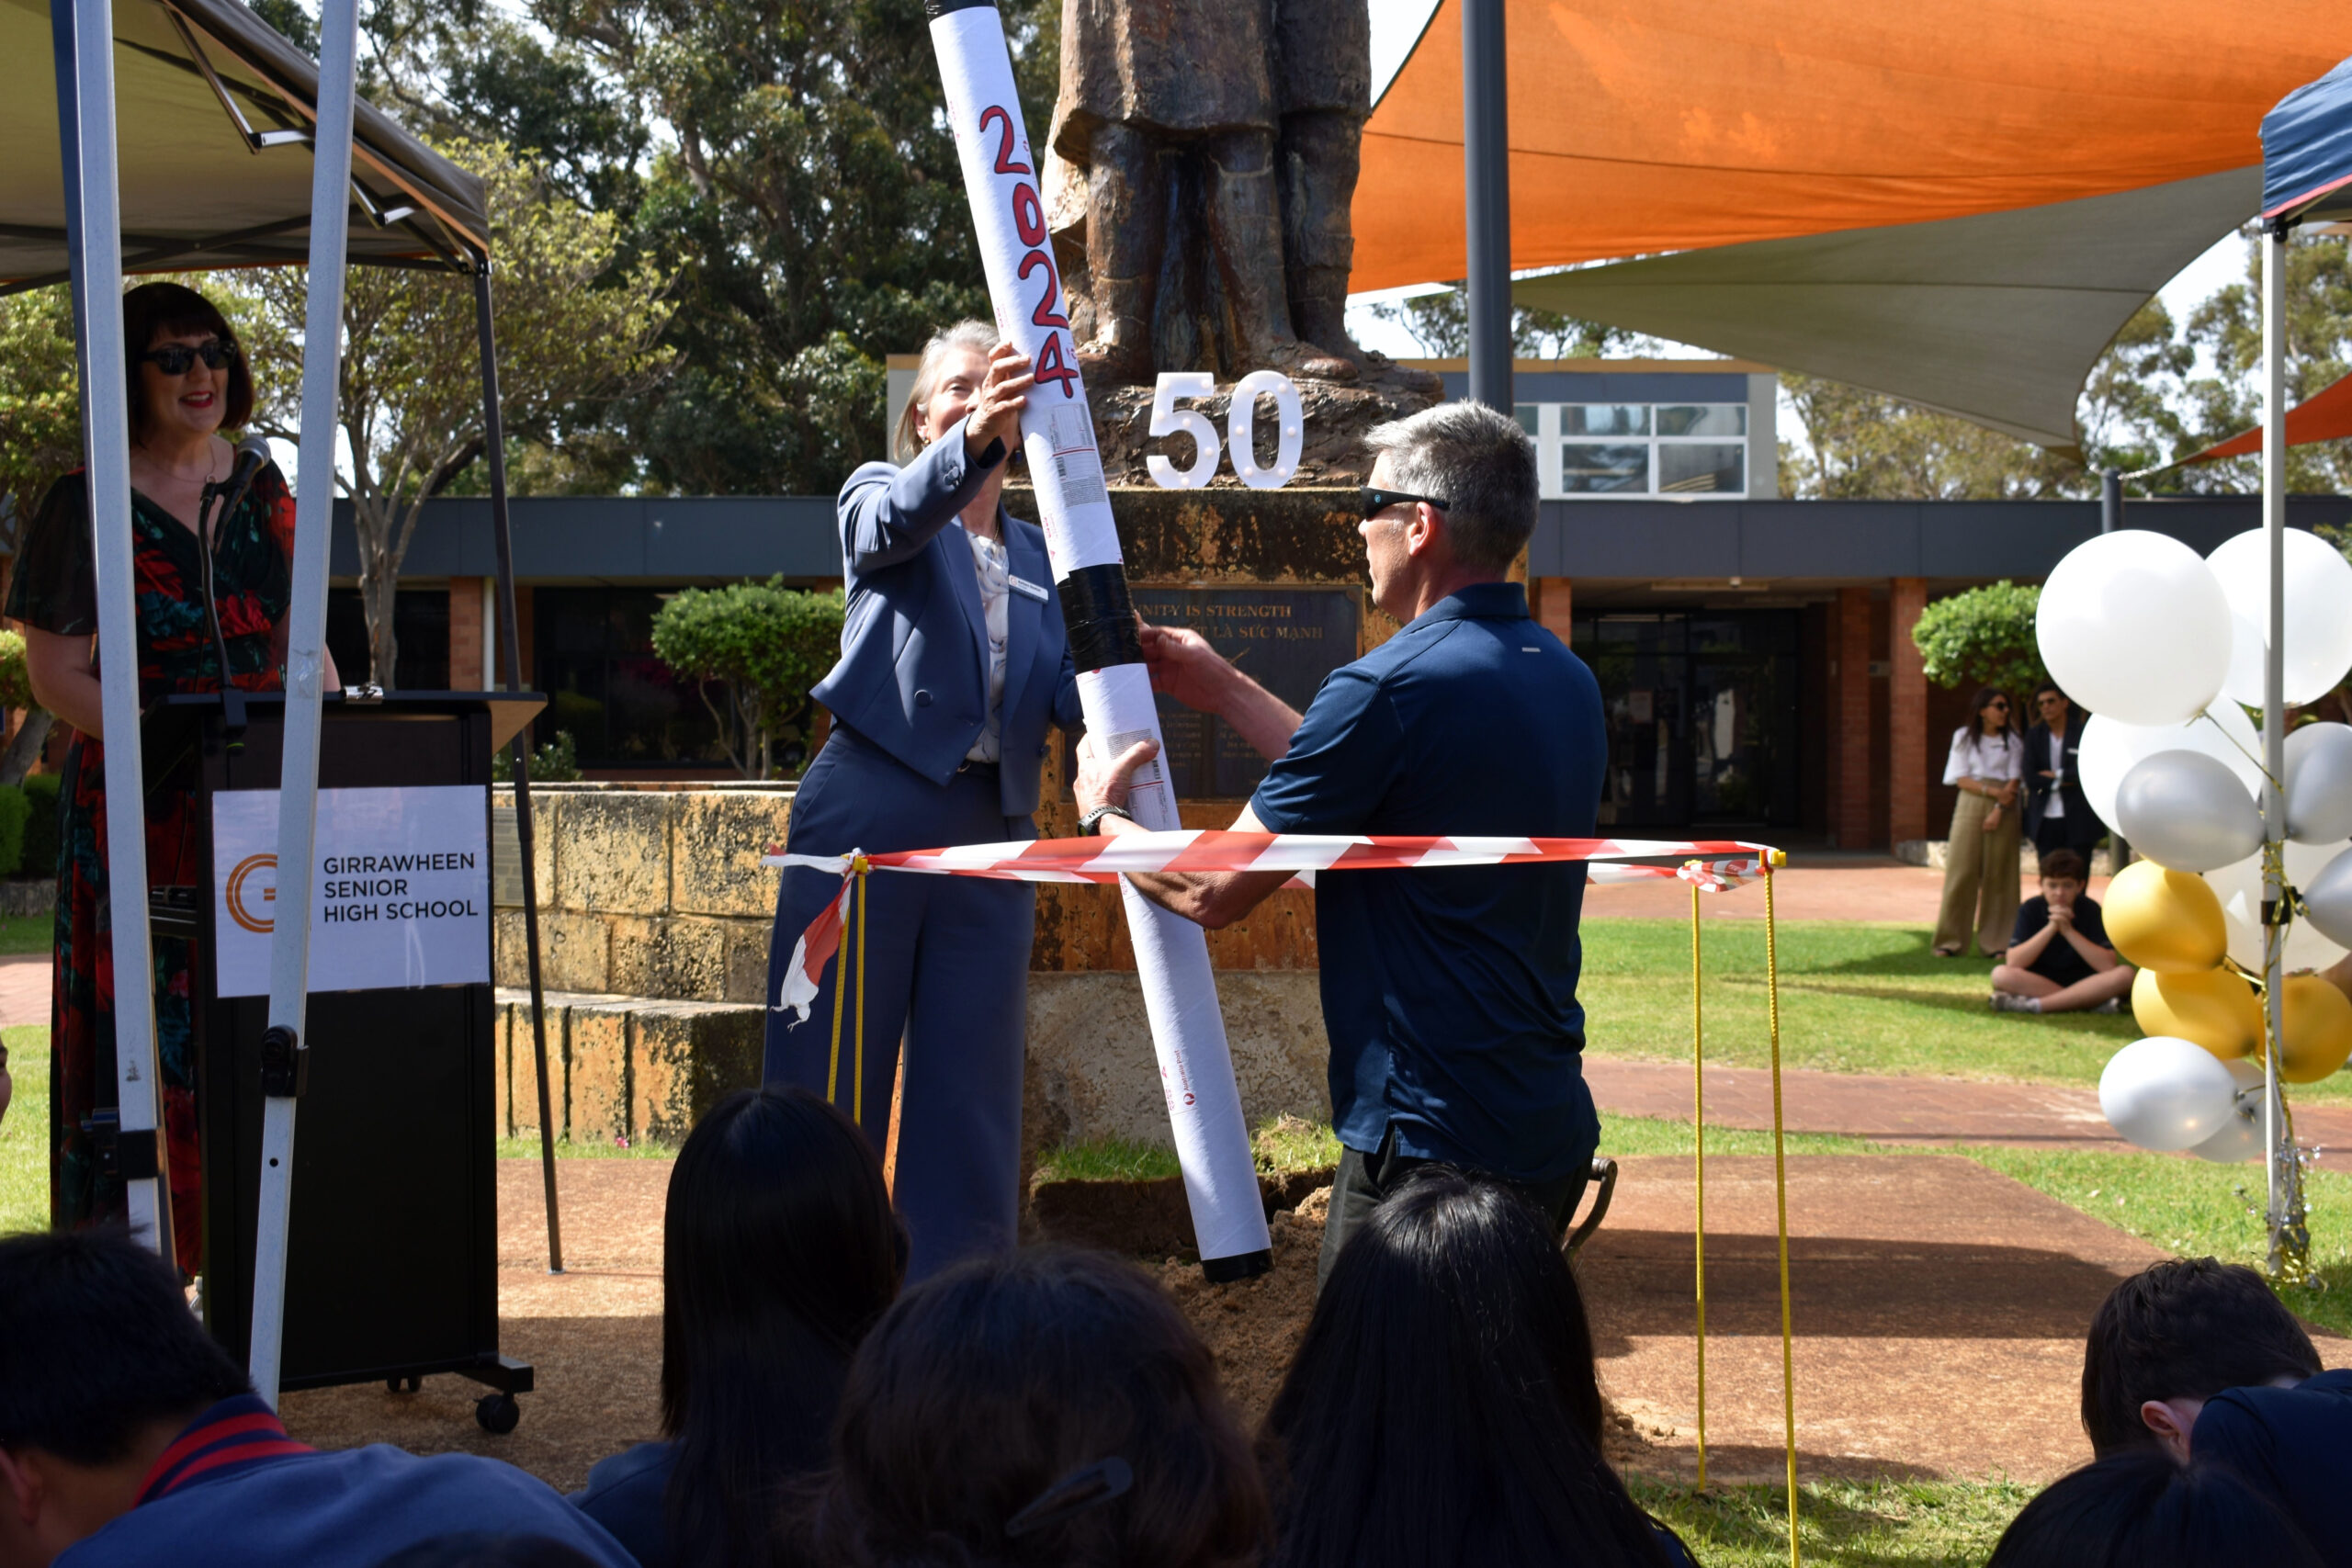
(2167, 650)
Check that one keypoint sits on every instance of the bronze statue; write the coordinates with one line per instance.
(1208, 152)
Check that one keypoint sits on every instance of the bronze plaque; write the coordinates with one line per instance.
(1287, 639)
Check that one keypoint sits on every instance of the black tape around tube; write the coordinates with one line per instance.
(1100, 619)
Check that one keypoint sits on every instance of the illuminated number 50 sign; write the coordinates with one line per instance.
(1241, 428)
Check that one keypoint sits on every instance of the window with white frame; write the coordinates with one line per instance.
(1639, 449)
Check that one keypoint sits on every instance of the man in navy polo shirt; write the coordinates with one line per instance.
(127, 1436)
(1449, 995)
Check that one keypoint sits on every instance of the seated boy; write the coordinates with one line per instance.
(2198, 1357)
(127, 1436)
(2060, 959)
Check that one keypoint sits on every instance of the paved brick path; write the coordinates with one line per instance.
(24, 989)
(1893, 1110)
(1816, 885)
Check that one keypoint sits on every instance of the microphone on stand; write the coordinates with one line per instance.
(253, 452)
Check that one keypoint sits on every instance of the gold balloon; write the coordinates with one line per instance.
(2215, 1009)
(2316, 1030)
(2166, 920)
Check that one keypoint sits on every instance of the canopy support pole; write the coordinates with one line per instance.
(283, 1046)
(2110, 501)
(1486, 152)
(94, 219)
(495, 446)
(2289, 1237)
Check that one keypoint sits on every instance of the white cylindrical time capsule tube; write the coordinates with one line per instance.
(1074, 507)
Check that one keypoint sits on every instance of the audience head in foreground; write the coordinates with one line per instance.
(2142, 1510)
(1443, 1410)
(779, 1252)
(1048, 1407)
(101, 1366)
(2169, 1339)
(128, 1436)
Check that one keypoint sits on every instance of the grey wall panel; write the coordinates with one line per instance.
(1833, 538)
(753, 537)
(1637, 539)
(1613, 387)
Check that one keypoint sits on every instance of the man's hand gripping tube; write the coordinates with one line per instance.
(1057, 436)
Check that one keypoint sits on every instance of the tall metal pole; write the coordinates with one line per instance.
(2110, 501)
(96, 238)
(1485, 186)
(283, 1046)
(2290, 1239)
(493, 427)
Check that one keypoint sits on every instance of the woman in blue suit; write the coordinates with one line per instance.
(952, 664)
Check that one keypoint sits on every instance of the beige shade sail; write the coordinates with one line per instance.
(1996, 318)
(212, 111)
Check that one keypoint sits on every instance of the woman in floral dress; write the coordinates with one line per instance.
(187, 383)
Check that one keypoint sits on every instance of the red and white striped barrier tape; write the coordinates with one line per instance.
(1106, 859)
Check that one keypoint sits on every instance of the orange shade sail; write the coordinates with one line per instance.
(1647, 126)
(2327, 417)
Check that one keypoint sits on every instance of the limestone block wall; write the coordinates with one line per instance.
(644, 891)
(621, 1066)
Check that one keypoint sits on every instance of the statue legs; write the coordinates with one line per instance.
(1126, 213)
(1320, 155)
(1245, 238)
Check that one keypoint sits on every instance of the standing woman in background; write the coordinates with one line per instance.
(953, 663)
(1988, 766)
(188, 382)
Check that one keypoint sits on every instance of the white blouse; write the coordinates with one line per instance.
(995, 570)
(1996, 759)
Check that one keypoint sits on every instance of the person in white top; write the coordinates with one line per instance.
(1988, 766)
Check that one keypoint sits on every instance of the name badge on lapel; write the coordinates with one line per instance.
(1026, 589)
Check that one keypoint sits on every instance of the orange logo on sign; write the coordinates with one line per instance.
(262, 924)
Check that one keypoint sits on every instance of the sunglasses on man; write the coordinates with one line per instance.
(1376, 502)
(174, 358)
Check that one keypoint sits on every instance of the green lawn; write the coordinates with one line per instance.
(24, 1132)
(1854, 999)
(27, 933)
(1840, 1524)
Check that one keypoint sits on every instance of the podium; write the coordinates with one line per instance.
(392, 1249)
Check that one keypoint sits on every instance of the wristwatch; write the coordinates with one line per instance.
(1092, 823)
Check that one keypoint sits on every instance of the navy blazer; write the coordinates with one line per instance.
(2037, 788)
(913, 676)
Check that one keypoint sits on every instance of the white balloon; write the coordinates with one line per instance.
(2187, 811)
(2239, 887)
(2319, 781)
(2241, 1136)
(2318, 584)
(2133, 625)
(2110, 748)
(2167, 1094)
(2327, 898)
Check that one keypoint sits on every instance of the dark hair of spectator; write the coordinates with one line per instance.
(481, 1549)
(1985, 698)
(779, 1252)
(155, 310)
(2142, 1510)
(2062, 863)
(994, 1382)
(2184, 1328)
(2051, 689)
(1443, 1410)
(96, 1343)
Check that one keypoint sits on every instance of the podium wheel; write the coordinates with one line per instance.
(409, 1384)
(497, 1412)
